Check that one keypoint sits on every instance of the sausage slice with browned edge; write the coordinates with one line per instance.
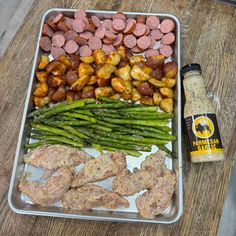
(95, 43)
(119, 40)
(168, 39)
(140, 29)
(45, 43)
(130, 41)
(71, 47)
(100, 32)
(118, 24)
(167, 26)
(96, 21)
(151, 53)
(58, 40)
(47, 30)
(80, 13)
(71, 35)
(108, 48)
(153, 22)
(57, 52)
(78, 25)
(166, 50)
(58, 18)
(130, 26)
(156, 34)
(85, 51)
(144, 42)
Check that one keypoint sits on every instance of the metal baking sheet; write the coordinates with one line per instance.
(19, 203)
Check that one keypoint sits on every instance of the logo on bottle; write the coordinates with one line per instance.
(203, 127)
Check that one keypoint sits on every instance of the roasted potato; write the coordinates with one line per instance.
(136, 83)
(157, 73)
(155, 61)
(103, 91)
(105, 71)
(136, 59)
(123, 62)
(78, 95)
(42, 76)
(118, 84)
(146, 100)
(80, 82)
(138, 74)
(127, 94)
(166, 92)
(65, 60)
(147, 70)
(103, 82)
(99, 57)
(88, 92)
(167, 104)
(124, 73)
(170, 69)
(85, 69)
(92, 80)
(44, 61)
(51, 91)
(71, 77)
(157, 98)
(113, 58)
(74, 61)
(41, 90)
(56, 68)
(116, 96)
(135, 95)
(169, 82)
(60, 94)
(40, 101)
(88, 60)
(70, 96)
(122, 51)
(56, 81)
(156, 83)
(145, 89)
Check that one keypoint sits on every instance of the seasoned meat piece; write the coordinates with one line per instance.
(90, 196)
(151, 168)
(55, 156)
(155, 201)
(50, 192)
(100, 169)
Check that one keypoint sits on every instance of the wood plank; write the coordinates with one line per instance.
(208, 38)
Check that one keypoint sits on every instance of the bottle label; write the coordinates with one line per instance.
(203, 133)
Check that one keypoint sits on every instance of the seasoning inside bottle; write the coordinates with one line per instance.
(200, 118)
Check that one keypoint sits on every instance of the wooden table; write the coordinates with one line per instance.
(208, 38)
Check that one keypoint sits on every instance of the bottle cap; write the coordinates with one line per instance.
(190, 67)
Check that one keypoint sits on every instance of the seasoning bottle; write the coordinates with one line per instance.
(200, 118)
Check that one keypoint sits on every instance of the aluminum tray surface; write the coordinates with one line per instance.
(19, 203)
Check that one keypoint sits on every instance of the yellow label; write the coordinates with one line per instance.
(203, 127)
(209, 151)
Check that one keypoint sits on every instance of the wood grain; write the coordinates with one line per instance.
(208, 37)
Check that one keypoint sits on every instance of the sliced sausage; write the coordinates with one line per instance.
(168, 39)
(166, 50)
(108, 48)
(47, 30)
(45, 43)
(57, 52)
(130, 41)
(130, 26)
(153, 22)
(90, 27)
(58, 18)
(140, 29)
(78, 25)
(80, 14)
(59, 32)
(51, 24)
(112, 29)
(110, 35)
(96, 21)
(86, 35)
(119, 15)
(85, 51)
(71, 47)
(119, 40)
(95, 43)
(167, 26)
(136, 49)
(68, 21)
(106, 23)
(156, 34)
(80, 41)
(153, 42)
(100, 32)
(144, 42)
(151, 53)
(58, 40)
(107, 41)
(118, 24)
(141, 19)
(62, 26)
(71, 35)
(147, 31)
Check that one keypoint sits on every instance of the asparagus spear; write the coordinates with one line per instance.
(80, 116)
(106, 105)
(73, 131)
(71, 123)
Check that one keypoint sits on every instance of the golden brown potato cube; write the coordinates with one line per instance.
(40, 101)
(118, 84)
(122, 51)
(127, 94)
(42, 76)
(116, 72)
(146, 100)
(55, 81)
(124, 72)
(60, 94)
(136, 83)
(145, 89)
(138, 74)
(103, 82)
(65, 60)
(99, 57)
(157, 98)
(44, 61)
(113, 58)
(147, 70)
(135, 95)
(103, 91)
(169, 82)
(92, 80)
(88, 92)
(87, 60)
(56, 68)
(70, 96)
(156, 83)
(170, 69)
(115, 96)
(166, 92)
(155, 61)
(105, 71)
(136, 59)
(167, 104)
(80, 82)
(41, 90)
(85, 69)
